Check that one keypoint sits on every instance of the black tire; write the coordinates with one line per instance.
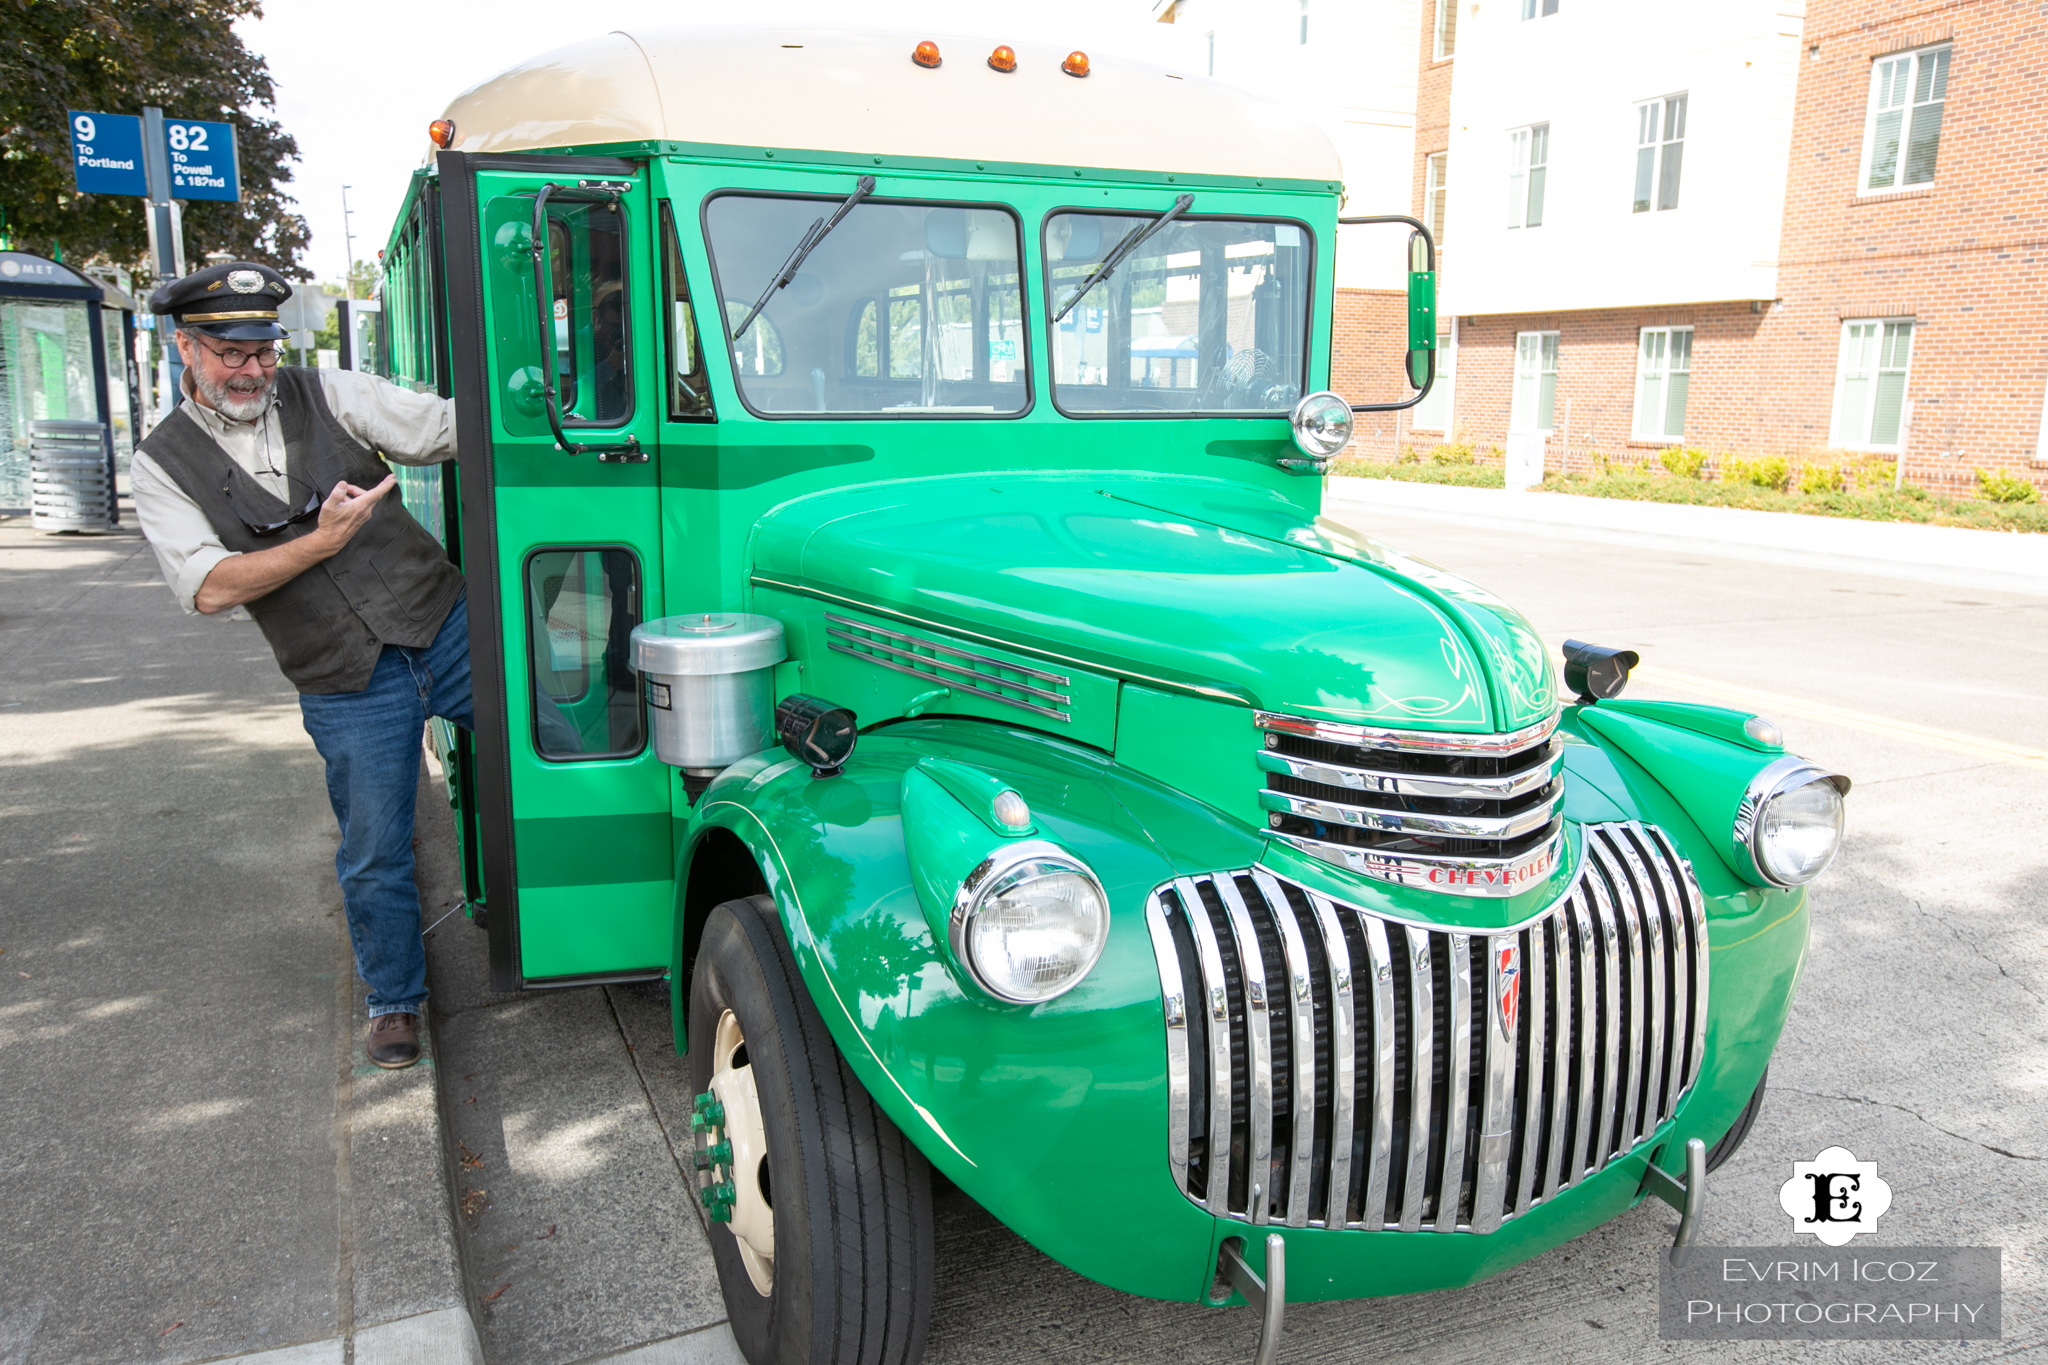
(851, 1197)
(1720, 1152)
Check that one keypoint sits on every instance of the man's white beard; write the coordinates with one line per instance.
(237, 400)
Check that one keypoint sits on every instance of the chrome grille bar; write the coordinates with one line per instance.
(1564, 1043)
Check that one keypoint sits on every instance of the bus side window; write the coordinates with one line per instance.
(587, 300)
(689, 389)
(581, 607)
(863, 347)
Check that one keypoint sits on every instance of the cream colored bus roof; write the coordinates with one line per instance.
(843, 90)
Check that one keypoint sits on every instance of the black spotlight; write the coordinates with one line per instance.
(816, 731)
(1595, 672)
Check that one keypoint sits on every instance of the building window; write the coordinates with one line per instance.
(1528, 163)
(1446, 28)
(1211, 39)
(1870, 384)
(1436, 168)
(1304, 23)
(1660, 152)
(1535, 381)
(1537, 9)
(1906, 96)
(1663, 374)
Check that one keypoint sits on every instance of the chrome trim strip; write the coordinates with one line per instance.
(1173, 997)
(1432, 741)
(1421, 1074)
(1373, 1208)
(1502, 788)
(1536, 967)
(1497, 1106)
(1216, 1161)
(1301, 1047)
(1656, 895)
(1458, 1088)
(1259, 1038)
(1561, 958)
(1696, 957)
(1576, 1166)
(931, 675)
(1605, 1114)
(1343, 1061)
(919, 641)
(1628, 921)
(1456, 876)
(1409, 822)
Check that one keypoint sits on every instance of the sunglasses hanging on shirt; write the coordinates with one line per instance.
(307, 512)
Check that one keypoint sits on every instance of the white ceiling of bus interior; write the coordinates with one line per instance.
(843, 90)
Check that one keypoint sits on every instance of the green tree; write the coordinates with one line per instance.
(115, 56)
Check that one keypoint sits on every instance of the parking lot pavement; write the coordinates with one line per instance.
(195, 1160)
(1919, 1038)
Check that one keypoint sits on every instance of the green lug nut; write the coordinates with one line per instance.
(710, 1113)
(717, 1154)
(718, 1200)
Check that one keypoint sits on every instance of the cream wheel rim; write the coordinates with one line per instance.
(753, 1217)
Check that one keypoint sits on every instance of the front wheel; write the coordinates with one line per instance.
(818, 1209)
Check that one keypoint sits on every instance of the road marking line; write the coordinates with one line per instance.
(1754, 699)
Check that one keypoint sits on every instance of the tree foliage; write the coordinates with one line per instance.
(115, 56)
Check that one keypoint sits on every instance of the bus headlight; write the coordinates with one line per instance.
(1322, 427)
(1029, 922)
(1789, 825)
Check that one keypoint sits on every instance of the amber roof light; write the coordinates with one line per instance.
(1076, 64)
(441, 132)
(926, 53)
(1003, 58)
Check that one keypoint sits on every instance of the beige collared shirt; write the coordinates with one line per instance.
(402, 426)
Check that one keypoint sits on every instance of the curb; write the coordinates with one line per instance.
(445, 1336)
(1997, 561)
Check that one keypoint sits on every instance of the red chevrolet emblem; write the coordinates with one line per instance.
(1510, 996)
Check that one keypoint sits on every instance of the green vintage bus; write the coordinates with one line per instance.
(890, 492)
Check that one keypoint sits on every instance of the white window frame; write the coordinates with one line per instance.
(1436, 168)
(1532, 380)
(1446, 23)
(1304, 24)
(1869, 356)
(1663, 359)
(1895, 94)
(1528, 174)
(1660, 152)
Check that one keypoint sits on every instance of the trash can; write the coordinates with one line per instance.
(68, 485)
(710, 686)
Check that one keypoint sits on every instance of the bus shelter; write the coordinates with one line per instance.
(66, 346)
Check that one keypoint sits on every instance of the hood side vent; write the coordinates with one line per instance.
(1028, 689)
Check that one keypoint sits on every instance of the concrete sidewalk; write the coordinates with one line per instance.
(198, 1162)
(1993, 560)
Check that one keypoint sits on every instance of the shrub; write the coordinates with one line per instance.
(1685, 463)
(2001, 487)
(1765, 471)
(1822, 478)
(1409, 455)
(1453, 453)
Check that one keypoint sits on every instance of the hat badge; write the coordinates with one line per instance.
(244, 281)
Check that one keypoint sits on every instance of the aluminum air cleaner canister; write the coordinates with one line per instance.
(710, 686)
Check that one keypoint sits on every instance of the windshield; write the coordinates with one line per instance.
(901, 309)
(1208, 315)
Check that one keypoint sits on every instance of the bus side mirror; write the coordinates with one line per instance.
(1421, 313)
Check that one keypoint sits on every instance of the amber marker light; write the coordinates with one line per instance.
(926, 53)
(1076, 64)
(1003, 58)
(441, 132)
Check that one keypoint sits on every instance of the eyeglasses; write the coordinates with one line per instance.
(309, 512)
(234, 357)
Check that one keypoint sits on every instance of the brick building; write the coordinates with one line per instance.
(1763, 227)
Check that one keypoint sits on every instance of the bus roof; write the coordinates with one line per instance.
(858, 92)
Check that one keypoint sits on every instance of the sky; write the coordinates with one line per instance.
(358, 84)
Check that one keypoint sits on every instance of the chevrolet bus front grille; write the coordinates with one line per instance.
(1329, 1067)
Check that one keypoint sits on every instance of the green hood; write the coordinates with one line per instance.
(1237, 595)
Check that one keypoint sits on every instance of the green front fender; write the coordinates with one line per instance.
(1048, 1116)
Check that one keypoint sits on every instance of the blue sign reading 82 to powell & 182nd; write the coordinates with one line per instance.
(202, 159)
(106, 152)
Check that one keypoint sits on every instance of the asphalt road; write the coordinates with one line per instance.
(1919, 1039)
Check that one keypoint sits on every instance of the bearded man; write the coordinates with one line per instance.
(265, 490)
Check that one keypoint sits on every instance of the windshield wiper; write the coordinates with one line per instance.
(1133, 239)
(817, 233)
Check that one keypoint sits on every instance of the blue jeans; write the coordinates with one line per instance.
(371, 742)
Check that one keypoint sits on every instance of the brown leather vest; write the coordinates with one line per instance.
(391, 584)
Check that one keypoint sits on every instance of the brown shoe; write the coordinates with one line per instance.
(395, 1040)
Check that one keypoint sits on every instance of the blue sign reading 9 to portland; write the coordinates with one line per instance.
(107, 156)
